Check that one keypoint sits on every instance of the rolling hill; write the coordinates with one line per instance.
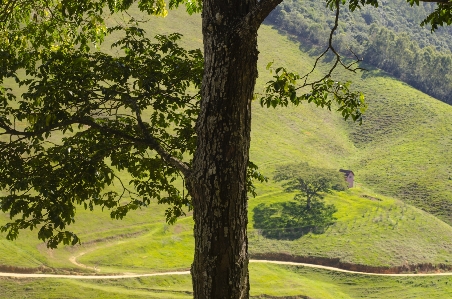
(399, 155)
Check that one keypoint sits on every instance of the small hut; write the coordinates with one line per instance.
(349, 176)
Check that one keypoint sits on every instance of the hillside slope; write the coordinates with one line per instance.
(388, 37)
(400, 150)
(402, 145)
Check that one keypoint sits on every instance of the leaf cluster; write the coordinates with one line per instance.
(441, 16)
(118, 114)
(284, 87)
(93, 129)
(42, 24)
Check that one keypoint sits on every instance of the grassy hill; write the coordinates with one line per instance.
(399, 153)
(401, 149)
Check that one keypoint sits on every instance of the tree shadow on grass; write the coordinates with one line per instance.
(292, 220)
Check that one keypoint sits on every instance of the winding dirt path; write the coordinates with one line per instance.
(130, 275)
(73, 260)
(349, 271)
(133, 275)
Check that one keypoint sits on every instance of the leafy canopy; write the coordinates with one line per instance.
(98, 102)
(86, 117)
(307, 212)
(308, 181)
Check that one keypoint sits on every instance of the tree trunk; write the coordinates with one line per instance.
(217, 183)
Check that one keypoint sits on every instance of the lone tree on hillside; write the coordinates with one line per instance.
(134, 112)
(311, 183)
(307, 212)
(291, 220)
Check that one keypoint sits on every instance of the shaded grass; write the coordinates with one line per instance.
(385, 232)
(370, 230)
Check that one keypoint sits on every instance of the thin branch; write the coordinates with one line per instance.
(124, 188)
(155, 145)
(12, 131)
(149, 140)
(331, 48)
(7, 10)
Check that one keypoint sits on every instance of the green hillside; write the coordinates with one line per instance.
(400, 150)
(399, 153)
(382, 232)
(380, 37)
(387, 154)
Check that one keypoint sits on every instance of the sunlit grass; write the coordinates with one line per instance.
(266, 280)
(404, 140)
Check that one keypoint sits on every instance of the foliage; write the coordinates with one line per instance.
(404, 232)
(307, 134)
(292, 220)
(311, 183)
(172, 156)
(30, 27)
(324, 93)
(98, 99)
(392, 43)
(442, 15)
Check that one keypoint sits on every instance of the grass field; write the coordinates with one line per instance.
(401, 152)
(267, 281)
(384, 232)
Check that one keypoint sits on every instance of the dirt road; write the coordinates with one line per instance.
(133, 275)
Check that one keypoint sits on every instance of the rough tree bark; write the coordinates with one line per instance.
(217, 179)
(217, 182)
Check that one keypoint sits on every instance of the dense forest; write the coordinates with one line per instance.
(388, 37)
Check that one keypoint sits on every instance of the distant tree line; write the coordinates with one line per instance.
(392, 42)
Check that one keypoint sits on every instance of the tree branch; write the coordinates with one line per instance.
(6, 10)
(11, 131)
(155, 145)
(149, 140)
(73, 121)
(258, 14)
(338, 59)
